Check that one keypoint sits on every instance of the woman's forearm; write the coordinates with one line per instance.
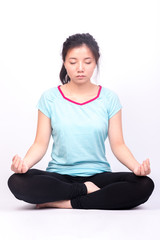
(124, 155)
(34, 154)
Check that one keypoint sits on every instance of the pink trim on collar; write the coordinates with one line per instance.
(100, 87)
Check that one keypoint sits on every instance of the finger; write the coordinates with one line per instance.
(19, 169)
(145, 166)
(142, 170)
(139, 170)
(12, 167)
(14, 158)
(148, 170)
(16, 163)
(148, 161)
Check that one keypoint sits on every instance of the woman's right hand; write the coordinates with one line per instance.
(18, 165)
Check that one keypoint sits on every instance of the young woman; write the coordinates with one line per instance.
(80, 115)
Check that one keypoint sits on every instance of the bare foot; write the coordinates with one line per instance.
(58, 204)
(91, 187)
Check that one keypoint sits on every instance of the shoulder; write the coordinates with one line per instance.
(49, 94)
(109, 94)
(46, 101)
(112, 102)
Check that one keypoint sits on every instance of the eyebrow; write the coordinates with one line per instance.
(84, 58)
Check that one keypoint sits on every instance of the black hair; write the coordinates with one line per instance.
(77, 40)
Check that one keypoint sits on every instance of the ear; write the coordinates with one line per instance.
(64, 64)
(64, 67)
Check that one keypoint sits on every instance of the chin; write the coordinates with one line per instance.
(81, 81)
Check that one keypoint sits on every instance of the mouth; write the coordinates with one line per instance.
(80, 76)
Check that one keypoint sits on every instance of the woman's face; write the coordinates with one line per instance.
(80, 64)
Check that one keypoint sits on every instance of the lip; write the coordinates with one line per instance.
(80, 76)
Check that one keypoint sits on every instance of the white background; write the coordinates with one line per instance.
(31, 36)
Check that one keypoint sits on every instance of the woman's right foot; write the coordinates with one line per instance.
(57, 204)
(91, 187)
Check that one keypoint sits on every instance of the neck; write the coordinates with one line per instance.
(81, 88)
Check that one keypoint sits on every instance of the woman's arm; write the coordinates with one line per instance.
(121, 151)
(38, 148)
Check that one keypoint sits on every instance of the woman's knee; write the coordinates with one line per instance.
(12, 181)
(147, 186)
(16, 183)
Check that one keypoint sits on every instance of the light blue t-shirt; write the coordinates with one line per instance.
(79, 131)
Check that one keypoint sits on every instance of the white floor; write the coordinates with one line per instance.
(22, 221)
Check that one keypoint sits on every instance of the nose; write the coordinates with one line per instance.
(80, 67)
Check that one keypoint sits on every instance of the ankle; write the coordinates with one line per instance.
(63, 204)
(91, 187)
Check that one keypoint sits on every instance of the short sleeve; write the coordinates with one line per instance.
(114, 105)
(44, 105)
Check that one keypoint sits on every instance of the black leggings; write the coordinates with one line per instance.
(118, 190)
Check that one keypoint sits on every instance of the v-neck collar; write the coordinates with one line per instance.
(99, 91)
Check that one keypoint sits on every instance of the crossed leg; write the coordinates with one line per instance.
(91, 187)
(100, 191)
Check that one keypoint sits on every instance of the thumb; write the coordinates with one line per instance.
(137, 170)
(24, 167)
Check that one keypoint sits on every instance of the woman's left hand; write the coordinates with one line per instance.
(143, 169)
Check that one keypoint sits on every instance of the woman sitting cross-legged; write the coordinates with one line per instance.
(80, 116)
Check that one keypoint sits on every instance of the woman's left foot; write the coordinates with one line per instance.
(91, 187)
(58, 204)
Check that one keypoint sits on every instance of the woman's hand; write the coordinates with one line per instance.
(143, 169)
(18, 165)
